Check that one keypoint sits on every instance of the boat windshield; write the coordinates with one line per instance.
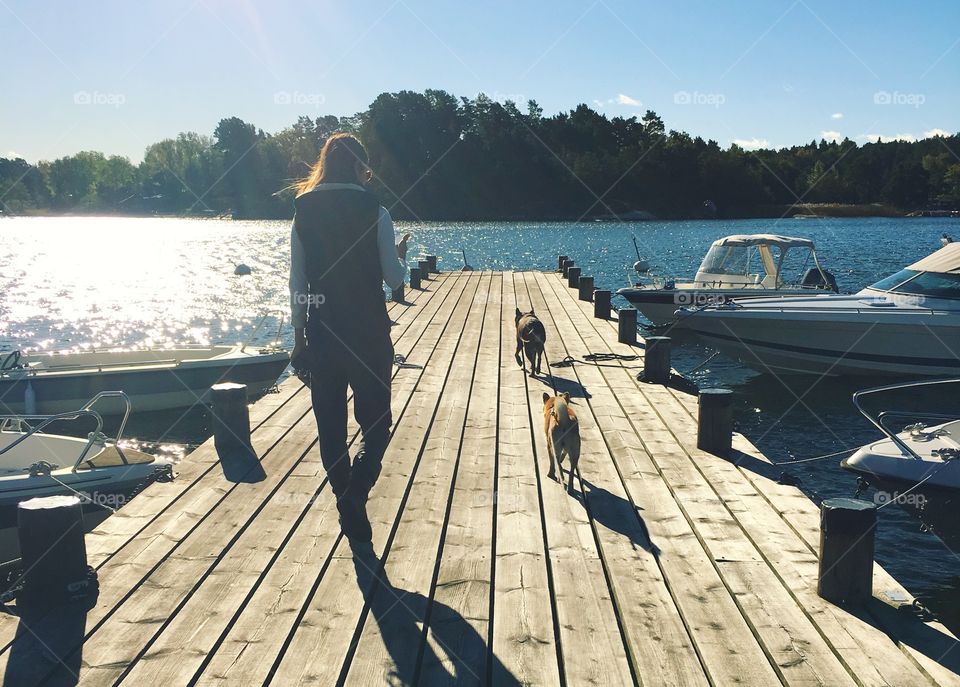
(754, 263)
(933, 284)
(738, 260)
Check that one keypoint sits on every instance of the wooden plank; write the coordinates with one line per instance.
(657, 638)
(461, 602)
(332, 612)
(592, 647)
(766, 531)
(524, 624)
(400, 605)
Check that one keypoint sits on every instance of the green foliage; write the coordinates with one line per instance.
(437, 156)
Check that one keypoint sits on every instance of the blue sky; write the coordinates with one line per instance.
(117, 76)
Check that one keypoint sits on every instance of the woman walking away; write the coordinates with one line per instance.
(341, 251)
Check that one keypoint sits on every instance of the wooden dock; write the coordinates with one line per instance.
(666, 566)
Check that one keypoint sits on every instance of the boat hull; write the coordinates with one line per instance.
(149, 388)
(660, 305)
(809, 342)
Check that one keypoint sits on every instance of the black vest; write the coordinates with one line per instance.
(338, 230)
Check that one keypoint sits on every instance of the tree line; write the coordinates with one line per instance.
(437, 156)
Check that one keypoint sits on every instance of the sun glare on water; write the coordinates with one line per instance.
(75, 283)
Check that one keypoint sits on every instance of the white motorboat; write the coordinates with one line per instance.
(154, 379)
(738, 266)
(34, 463)
(917, 466)
(905, 324)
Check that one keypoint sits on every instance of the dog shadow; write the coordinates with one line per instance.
(616, 514)
(561, 385)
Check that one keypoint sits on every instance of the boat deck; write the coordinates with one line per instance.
(665, 566)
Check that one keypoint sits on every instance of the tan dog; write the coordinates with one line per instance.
(531, 338)
(563, 434)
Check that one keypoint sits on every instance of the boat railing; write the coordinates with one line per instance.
(19, 421)
(260, 325)
(878, 420)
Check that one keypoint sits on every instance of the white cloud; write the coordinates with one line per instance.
(936, 132)
(752, 143)
(12, 155)
(619, 99)
(831, 136)
(836, 115)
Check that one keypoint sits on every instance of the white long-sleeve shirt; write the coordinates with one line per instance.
(393, 270)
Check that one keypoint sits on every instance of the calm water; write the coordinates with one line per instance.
(73, 283)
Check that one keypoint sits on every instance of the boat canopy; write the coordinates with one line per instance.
(736, 255)
(946, 260)
(763, 240)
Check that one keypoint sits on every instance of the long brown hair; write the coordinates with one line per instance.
(336, 163)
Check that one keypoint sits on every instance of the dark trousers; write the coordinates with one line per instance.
(365, 367)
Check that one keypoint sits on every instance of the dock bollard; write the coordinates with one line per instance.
(567, 264)
(52, 549)
(573, 277)
(231, 421)
(601, 304)
(396, 295)
(424, 266)
(715, 421)
(627, 326)
(415, 278)
(586, 289)
(847, 531)
(432, 264)
(560, 260)
(656, 360)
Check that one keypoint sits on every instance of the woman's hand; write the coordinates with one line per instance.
(402, 247)
(299, 347)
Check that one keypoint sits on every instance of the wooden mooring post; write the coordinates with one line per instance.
(424, 266)
(601, 304)
(560, 260)
(586, 289)
(573, 277)
(567, 264)
(415, 278)
(715, 421)
(432, 264)
(231, 419)
(847, 533)
(656, 360)
(627, 326)
(52, 549)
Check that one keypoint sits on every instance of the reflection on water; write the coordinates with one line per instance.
(114, 282)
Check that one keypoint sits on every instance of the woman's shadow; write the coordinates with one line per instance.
(402, 615)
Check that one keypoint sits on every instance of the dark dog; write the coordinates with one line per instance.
(531, 338)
